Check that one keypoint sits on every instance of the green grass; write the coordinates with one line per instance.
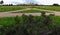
(57, 20)
(8, 21)
(31, 11)
(9, 8)
(13, 8)
(53, 8)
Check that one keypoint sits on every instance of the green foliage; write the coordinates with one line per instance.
(55, 4)
(43, 13)
(17, 20)
(31, 25)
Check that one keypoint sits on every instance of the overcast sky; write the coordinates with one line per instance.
(45, 2)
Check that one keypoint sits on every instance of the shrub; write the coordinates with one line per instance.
(30, 25)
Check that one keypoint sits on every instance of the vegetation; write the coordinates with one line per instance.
(55, 4)
(9, 8)
(1, 2)
(52, 8)
(12, 8)
(8, 21)
(29, 25)
(29, 11)
(57, 20)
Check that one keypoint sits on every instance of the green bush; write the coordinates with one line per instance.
(31, 25)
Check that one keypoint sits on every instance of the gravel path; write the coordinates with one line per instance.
(3, 14)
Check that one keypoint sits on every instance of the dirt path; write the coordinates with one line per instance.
(9, 14)
(3, 14)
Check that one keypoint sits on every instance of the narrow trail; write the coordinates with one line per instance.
(9, 14)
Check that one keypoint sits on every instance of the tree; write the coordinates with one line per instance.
(10, 5)
(55, 4)
(1, 2)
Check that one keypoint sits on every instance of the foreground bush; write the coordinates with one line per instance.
(31, 25)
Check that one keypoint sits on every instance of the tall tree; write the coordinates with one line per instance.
(1, 2)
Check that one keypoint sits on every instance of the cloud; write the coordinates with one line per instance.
(45, 2)
(48, 2)
(13, 1)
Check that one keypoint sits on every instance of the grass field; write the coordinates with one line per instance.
(13, 8)
(53, 8)
(9, 8)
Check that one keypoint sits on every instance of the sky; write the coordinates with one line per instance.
(42, 2)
